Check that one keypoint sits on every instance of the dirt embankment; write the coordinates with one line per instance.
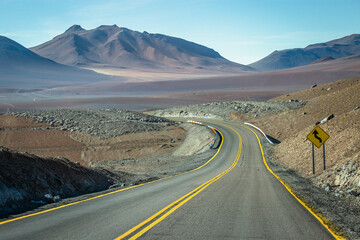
(28, 181)
(193, 152)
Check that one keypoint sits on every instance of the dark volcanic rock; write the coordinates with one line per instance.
(28, 181)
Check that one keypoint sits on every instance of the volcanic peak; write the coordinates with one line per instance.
(74, 28)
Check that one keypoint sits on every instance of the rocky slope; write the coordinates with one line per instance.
(61, 179)
(340, 99)
(289, 58)
(111, 46)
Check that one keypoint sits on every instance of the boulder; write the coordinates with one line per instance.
(331, 116)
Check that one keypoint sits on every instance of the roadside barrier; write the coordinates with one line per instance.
(195, 122)
(211, 128)
(253, 126)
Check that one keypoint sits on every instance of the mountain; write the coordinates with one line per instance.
(111, 46)
(323, 59)
(20, 66)
(289, 58)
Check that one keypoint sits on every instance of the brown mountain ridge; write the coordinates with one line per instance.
(112, 46)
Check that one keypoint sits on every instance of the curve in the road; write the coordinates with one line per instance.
(157, 218)
(110, 193)
(165, 212)
(248, 203)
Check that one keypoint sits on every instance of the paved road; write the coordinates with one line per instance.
(232, 197)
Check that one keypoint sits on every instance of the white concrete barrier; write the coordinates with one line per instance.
(253, 126)
(211, 128)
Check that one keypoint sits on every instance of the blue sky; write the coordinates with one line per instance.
(243, 31)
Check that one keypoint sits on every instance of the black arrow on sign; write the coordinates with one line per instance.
(316, 136)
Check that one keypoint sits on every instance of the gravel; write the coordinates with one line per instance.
(104, 123)
(222, 110)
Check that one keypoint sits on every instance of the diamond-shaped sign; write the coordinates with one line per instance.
(318, 136)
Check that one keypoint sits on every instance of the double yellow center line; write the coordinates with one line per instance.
(149, 223)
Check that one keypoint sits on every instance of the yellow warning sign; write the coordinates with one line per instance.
(318, 136)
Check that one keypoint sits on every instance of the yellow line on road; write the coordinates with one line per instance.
(109, 193)
(319, 217)
(181, 201)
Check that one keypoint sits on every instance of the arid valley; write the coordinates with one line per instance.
(113, 133)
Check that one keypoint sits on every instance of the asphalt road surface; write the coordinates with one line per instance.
(234, 196)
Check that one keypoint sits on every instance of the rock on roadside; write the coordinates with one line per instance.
(198, 140)
(342, 180)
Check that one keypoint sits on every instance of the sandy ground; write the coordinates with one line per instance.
(141, 103)
(145, 76)
(129, 146)
(26, 135)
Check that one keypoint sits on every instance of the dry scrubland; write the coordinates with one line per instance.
(114, 139)
(84, 151)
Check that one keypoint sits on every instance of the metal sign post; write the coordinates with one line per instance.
(318, 138)
(313, 158)
(324, 155)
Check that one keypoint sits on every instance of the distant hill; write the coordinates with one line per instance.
(111, 46)
(20, 66)
(323, 59)
(289, 58)
(282, 80)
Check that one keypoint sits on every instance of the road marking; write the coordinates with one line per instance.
(165, 212)
(109, 193)
(319, 217)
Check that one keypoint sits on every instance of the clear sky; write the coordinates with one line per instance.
(243, 31)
